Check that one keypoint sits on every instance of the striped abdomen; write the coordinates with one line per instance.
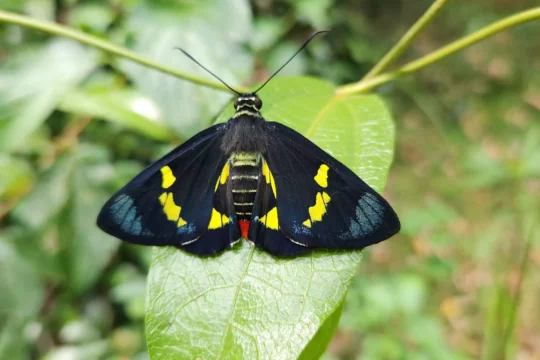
(245, 172)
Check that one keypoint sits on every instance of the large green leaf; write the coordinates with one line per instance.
(204, 29)
(124, 106)
(30, 91)
(245, 303)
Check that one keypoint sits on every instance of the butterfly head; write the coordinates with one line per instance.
(247, 102)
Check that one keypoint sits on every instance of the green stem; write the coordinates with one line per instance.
(406, 40)
(490, 30)
(106, 46)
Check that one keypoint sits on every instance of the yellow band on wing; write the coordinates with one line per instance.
(270, 220)
(269, 178)
(170, 209)
(217, 220)
(317, 211)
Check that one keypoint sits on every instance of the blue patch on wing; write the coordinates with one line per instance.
(369, 217)
(188, 229)
(124, 214)
(301, 229)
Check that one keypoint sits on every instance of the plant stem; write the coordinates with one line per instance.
(106, 46)
(490, 30)
(406, 40)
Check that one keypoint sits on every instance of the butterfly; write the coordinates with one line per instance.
(253, 179)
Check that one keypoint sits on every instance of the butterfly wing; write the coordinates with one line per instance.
(180, 200)
(264, 228)
(320, 203)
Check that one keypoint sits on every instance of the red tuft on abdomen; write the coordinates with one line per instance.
(244, 227)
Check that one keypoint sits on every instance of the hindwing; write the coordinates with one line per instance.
(264, 229)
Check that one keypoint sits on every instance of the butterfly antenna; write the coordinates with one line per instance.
(208, 71)
(292, 57)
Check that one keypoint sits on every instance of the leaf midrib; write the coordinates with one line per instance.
(234, 302)
(321, 114)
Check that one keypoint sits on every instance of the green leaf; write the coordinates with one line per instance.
(124, 106)
(245, 303)
(30, 93)
(204, 30)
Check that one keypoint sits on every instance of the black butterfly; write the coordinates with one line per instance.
(254, 179)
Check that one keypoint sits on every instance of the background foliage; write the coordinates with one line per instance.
(75, 125)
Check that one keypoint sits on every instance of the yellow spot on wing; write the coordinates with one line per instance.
(326, 198)
(171, 210)
(322, 176)
(270, 220)
(169, 207)
(223, 177)
(317, 211)
(217, 220)
(167, 177)
(163, 198)
(224, 174)
(269, 178)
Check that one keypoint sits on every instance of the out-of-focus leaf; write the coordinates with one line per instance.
(127, 341)
(79, 332)
(30, 92)
(73, 187)
(435, 215)
(94, 16)
(124, 106)
(531, 148)
(130, 291)
(281, 53)
(267, 31)
(314, 12)
(209, 30)
(88, 249)
(12, 344)
(92, 351)
(12, 5)
(364, 51)
(246, 303)
(17, 176)
(20, 299)
(49, 195)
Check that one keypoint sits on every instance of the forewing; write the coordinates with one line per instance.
(320, 202)
(173, 200)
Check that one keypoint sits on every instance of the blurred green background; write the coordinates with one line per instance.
(460, 280)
